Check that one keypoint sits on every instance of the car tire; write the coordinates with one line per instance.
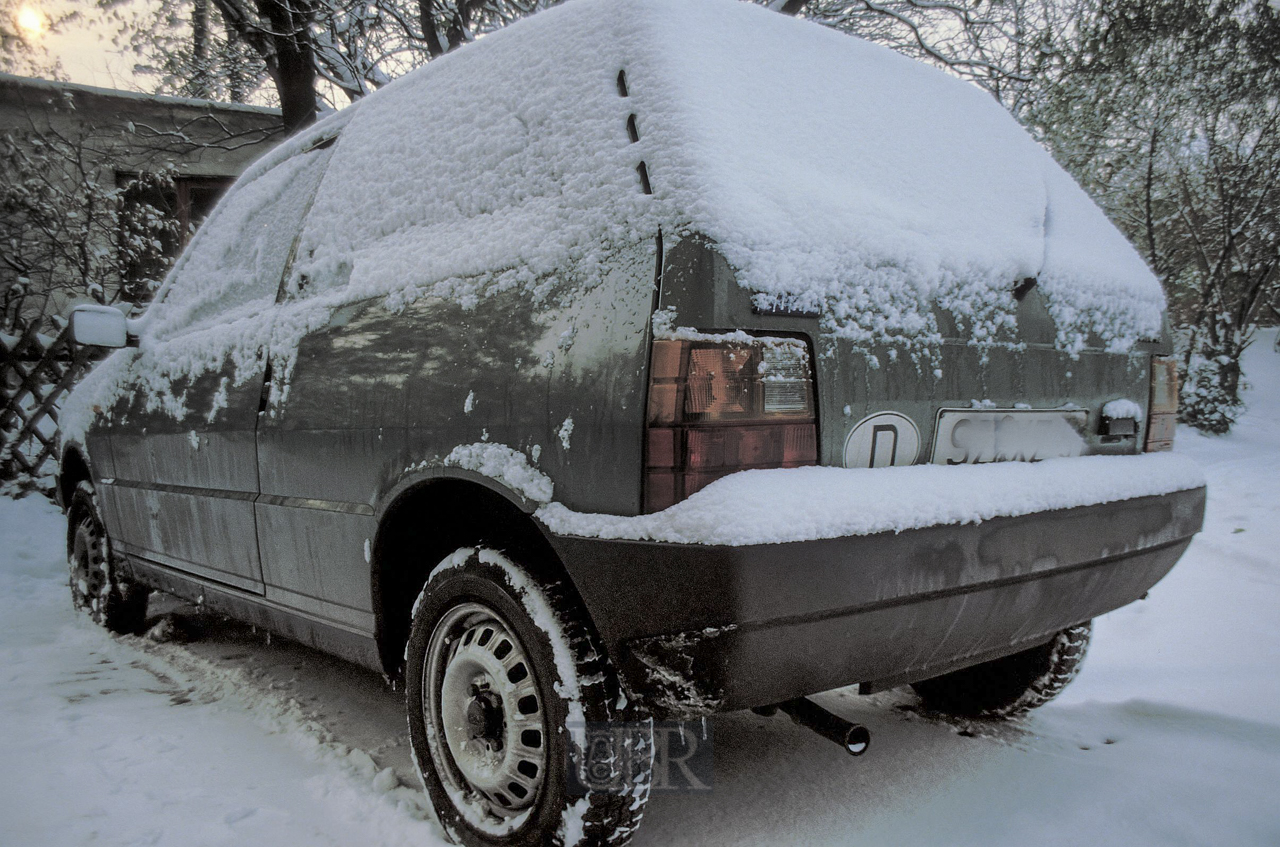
(1010, 686)
(516, 717)
(97, 585)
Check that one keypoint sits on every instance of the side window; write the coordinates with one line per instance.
(234, 264)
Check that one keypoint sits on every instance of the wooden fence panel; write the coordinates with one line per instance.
(35, 375)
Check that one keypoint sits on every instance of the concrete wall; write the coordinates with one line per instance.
(134, 130)
(113, 133)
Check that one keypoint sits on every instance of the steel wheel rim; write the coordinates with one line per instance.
(485, 719)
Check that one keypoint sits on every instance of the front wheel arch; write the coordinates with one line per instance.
(72, 470)
(98, 586)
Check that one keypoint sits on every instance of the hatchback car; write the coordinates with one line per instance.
(647, 359)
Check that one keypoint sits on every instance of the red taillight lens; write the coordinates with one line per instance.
(1162, 413)
(720, 407)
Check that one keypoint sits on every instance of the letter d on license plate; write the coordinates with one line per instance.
(972, 436)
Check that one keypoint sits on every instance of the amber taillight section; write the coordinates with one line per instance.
(719, 407)
(1162, 414)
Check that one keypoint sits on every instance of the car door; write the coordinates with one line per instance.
(321, 445)
(183, 433)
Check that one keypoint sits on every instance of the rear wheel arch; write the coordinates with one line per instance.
(427, 522)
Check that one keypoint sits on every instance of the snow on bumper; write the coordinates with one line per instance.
(802, 504)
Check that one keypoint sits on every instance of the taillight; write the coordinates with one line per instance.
(718, 407)
(1162, 414)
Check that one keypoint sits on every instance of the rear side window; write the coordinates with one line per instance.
(234, 265)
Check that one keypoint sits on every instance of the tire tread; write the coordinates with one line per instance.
(1013, 685)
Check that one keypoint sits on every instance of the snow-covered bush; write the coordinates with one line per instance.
(1210, 397)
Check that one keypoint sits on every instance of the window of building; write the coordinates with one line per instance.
(158, 215)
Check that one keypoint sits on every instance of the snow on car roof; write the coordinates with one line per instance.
(840, 174)
(833, 174)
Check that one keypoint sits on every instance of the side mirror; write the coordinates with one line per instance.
(99, 326)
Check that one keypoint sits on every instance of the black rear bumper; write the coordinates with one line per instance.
(696, 629)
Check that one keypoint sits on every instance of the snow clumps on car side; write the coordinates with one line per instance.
(500, 462)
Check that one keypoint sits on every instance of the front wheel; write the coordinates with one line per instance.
(97, 586)
(1013, 685)
(514, 712)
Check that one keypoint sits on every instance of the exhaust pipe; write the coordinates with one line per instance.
(854, 738)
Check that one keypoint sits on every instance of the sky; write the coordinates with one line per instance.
(83, 45)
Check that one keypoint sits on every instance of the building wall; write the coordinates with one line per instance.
(69, 151)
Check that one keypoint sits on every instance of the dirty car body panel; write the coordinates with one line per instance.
(310, 474)
(693, 628)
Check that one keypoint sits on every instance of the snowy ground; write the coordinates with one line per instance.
(1170, 736)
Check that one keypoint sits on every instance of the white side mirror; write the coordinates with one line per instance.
(99, 326)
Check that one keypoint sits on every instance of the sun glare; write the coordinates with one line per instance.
(31, 21)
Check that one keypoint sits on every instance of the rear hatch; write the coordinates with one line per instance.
(942, 268)
(944, 397)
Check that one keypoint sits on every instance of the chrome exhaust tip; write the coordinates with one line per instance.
(854, 738)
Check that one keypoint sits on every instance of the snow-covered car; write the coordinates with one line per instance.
(644, 360)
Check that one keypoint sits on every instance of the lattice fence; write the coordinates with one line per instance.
(36, 372)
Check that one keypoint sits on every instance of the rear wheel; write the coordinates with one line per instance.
(1013, 685)
(514, 712)
(97, 586)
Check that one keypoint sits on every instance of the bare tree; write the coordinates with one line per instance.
(1168, 112)
(308, 49)
(1008, 47)
(280, 32)
(186, 48)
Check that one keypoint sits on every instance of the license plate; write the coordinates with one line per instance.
(974, 436)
